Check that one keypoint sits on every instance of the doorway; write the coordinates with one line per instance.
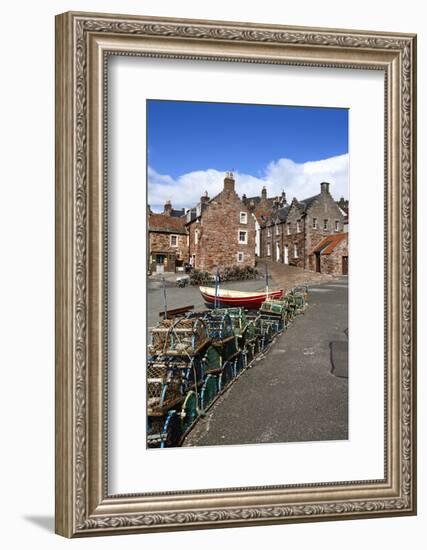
(345, 265)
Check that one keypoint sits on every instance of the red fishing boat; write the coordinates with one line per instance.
(235, 298)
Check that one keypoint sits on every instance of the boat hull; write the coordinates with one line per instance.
(249, 301)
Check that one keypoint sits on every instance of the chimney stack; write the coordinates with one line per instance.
(229, 182)
(204, 198)
(324, 187)
(264, 193)
(167, 209)
(283, 198)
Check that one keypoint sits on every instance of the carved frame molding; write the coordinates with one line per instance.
(83, 43)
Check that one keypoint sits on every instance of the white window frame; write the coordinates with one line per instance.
(246, 236)
(277, 229)
(337, 225)
(288, 228)
(268, 231)
(244, 217)
(196, 237)
(298, 226)
(268, 249)
(296, 251)
(171, 243)
(325, 224)
(240, 257)
(315, 225)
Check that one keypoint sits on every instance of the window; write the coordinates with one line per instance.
(243, 237)
(288, 228)
(243, 217)
(277, 229)
(298, 226)
(174, 240)
(314, 223)
(268, 250)
(240, 256)
(196, 236)
(295, 251)
(268, 232)
(325, 224)
(337, 225)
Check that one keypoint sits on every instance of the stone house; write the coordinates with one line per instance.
(261, 208)
(221, 231)
(168, 240)
(293, 230)
(330, 255)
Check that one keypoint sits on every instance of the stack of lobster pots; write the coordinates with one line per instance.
(195, 357)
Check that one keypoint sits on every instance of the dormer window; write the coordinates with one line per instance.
(277, 229)
(288, 228)
(298, 226)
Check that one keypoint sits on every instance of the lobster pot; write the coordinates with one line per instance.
(219, 325)
(238, 318)
(299, 295)
(194, 373)
(154, 431)
(274, 307)
(251, 330)
(250, 351)
(265, 330)
(212, 360)
(239, 362)
(227, 348)
(165, 386)
(181, 337)
(227, 374)
(291, 306)
(277, 322)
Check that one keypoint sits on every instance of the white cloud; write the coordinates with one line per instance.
(297, 180)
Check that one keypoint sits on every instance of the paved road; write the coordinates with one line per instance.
(291, 394)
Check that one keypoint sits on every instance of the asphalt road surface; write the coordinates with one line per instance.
(295, 392)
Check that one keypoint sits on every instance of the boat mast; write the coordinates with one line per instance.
(266, 281)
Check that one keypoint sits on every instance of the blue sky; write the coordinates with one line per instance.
(275, 146)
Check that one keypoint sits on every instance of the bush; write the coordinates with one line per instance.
(232, 273)
(237, 273)
(200, 277)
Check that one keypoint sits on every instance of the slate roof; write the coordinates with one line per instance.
(281, 214)
(177, 213)
(306, 203)
(329, 243)
(162, 223)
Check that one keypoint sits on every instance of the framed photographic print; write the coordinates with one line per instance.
(235, 274)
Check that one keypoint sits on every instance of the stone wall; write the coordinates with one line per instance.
(160, 243)
(218, 234)
(322, 208)
(333, 263)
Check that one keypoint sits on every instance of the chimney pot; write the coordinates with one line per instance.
(229, 182)
(168, 207)
(324, 187)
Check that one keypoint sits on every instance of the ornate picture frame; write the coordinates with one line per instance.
(83, 43)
